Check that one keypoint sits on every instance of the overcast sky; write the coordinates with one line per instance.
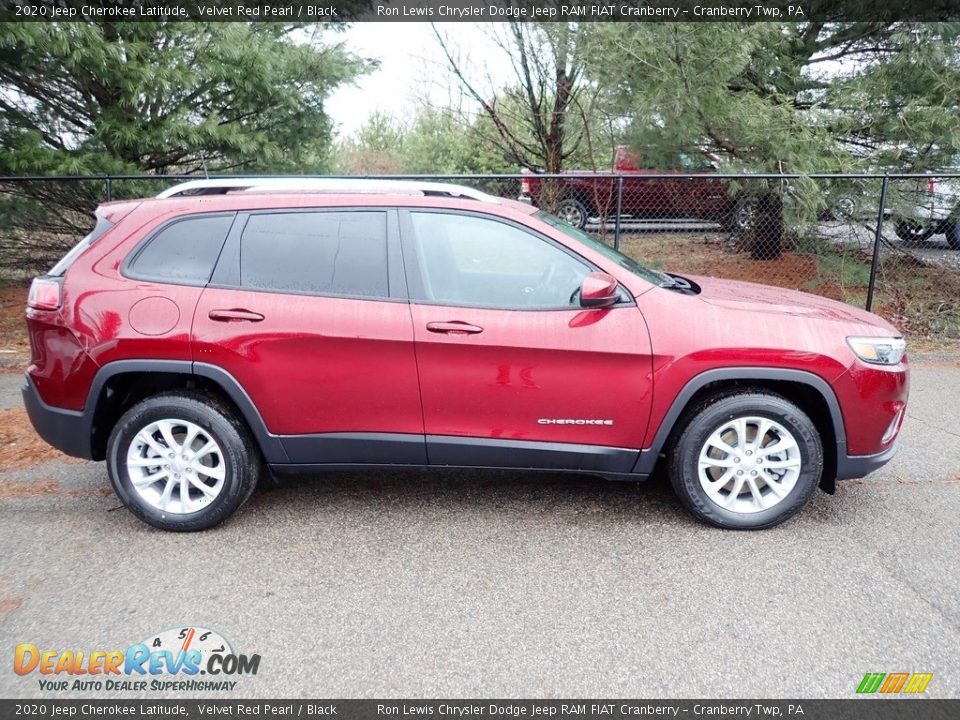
(412, 68)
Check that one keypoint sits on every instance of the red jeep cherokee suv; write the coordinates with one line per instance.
(225, 328)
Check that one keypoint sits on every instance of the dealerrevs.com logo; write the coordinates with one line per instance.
(188, 659)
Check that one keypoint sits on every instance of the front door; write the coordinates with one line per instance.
(513, 372)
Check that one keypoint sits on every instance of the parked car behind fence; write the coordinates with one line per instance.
(643, 193)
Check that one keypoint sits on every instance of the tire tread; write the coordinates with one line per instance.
(689, 491)
(210, 409)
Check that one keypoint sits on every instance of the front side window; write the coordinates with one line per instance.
(316, 253)
(479, 262)
(625, 261)
(184, 252)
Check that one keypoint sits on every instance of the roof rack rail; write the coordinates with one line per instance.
(221, 186)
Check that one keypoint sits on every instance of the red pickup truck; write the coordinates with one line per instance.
(591, 197)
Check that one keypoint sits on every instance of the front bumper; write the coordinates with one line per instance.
(858, 466)
(66, 430)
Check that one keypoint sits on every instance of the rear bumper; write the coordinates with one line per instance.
(858, 466)
(66, 430)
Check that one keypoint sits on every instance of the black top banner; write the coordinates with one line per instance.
(306, 11)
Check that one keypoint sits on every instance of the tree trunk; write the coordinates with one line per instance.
(767, 228)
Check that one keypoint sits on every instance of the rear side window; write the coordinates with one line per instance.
(183, 252)
(316, 253)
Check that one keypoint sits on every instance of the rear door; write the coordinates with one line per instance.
(307, 310)
(700, 198)
(648, 198)
(513, 372)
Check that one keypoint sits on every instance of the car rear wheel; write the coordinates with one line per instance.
(746, 461)
(913, 231)
(743, 216)
(573, 212)
(845, 208)
(182, 461)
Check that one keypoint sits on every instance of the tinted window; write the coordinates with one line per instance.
(466, 260)
(321, 253)
(654, 276)
(694, 163)
(184, 251)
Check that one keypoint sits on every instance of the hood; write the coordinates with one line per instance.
(755, 298)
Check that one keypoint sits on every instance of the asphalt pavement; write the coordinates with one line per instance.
(469, 584)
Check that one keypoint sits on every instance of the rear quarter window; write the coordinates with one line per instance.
(183, 252)
(102, 226)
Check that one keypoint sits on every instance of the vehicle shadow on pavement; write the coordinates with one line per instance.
(480, 492)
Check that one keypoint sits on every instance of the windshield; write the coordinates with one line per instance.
(653, 276)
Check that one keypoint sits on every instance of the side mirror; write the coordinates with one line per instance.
(598, 290)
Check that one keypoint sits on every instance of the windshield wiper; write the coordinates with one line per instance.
(678, 283)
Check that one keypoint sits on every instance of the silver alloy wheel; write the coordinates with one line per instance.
(571, 214)
(746, 215)
(176, 466)
(846, 207)
(749, 464)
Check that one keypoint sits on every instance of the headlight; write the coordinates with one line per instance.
(878, 350)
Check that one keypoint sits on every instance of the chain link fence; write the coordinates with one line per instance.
(890, 243)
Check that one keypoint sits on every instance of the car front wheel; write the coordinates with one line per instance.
(746, 461)
(182, 461)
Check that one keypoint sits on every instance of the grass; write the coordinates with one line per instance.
(848, 270)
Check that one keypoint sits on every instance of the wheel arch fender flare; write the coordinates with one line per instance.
(648, 457)
(270, 444)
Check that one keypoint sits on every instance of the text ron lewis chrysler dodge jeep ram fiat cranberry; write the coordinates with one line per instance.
(225, 329)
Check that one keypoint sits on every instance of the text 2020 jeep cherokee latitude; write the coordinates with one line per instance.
(196, 339)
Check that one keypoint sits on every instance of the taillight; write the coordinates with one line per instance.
(931, 186)
(44, 293)
(525, 186)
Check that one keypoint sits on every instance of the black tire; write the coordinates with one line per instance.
(573, 212)
(241, 458)
(683, 457)
(912, 231)
(952, 233)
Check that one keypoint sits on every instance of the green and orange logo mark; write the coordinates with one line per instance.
(909, 683)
